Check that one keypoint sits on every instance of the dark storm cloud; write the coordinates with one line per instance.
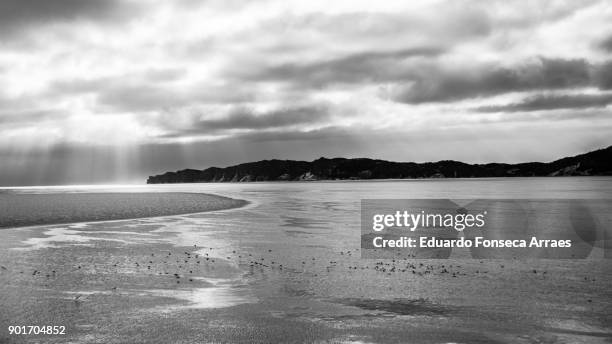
(18, 14)
(356, 68)
(244, 119)
(149, 91)
(606, 44)
(437, 85)
(421, 78)
(603, 76)
(553, 102)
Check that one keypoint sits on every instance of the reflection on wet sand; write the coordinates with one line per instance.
(256, 274)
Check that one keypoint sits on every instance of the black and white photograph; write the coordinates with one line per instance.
(306, 171)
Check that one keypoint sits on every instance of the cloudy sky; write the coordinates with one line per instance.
(112, 91)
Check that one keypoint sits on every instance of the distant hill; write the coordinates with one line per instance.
(596, 163)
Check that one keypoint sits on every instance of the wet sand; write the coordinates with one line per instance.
(18, 210)
(197, 278)
(288, 268)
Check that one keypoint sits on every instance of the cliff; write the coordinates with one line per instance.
(596, 163)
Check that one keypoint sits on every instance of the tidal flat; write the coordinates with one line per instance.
(286, 267)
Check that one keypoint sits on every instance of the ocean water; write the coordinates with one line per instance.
(287, 268)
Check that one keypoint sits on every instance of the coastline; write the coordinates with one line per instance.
(594, 163)
(423, 179)
(28, 210)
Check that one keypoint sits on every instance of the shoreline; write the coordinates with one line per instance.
(362, 180)
(32, 210)
(9, 188)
